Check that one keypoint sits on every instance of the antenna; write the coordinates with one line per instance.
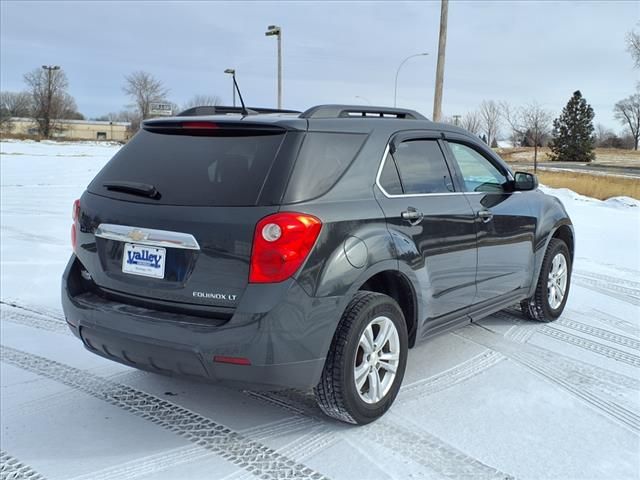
(245, 112)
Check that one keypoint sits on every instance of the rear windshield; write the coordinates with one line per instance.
(192, 170)
(323, 159)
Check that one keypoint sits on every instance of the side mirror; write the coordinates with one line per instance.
(525, 181)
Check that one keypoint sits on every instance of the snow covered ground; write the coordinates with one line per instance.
(506, 399)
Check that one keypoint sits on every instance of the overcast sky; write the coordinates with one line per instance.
(337, 52)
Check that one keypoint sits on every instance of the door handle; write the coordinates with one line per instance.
(412, 216)
(485, 215)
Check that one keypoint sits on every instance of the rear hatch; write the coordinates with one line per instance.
(171, 217)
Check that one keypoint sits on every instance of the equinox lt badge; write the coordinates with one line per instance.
(216, 296)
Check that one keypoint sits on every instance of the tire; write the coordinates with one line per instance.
(337, 393)
(539, 307)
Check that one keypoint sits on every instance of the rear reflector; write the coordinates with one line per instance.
(231, 360)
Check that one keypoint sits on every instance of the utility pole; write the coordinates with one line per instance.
(47, 111)
(456, 120)
(437, 98)
(275, 30)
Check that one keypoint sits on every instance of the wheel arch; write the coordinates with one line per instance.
(565, 233)
(562, 230)
(397, 286)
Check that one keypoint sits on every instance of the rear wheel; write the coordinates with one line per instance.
(366, 363)
(552, 289)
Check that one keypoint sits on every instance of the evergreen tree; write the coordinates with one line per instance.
(573, 133)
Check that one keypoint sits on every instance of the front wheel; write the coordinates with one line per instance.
(552, 289)
(366, 363)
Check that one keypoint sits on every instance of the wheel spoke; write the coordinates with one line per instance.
(361, 373)
(366, 341)
(374, 385)
(389, 357)
(384, 333)
(387, 366)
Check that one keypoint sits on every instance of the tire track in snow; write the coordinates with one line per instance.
(549, 365)
(149, 465)
(610, 279)
(525, 329)
(31, 320)
(45, 312)
(614, 268)
(607, 381)
(616, 322)
(628, 295)
(12, 469)
(594, 347)
(245, 453)
(419, 446)
(599, 333)
(31, 237)
(455, 375)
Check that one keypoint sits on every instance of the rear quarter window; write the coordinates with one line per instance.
(323, 159)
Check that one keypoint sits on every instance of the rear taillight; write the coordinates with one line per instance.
(281, 244)
(75, 215)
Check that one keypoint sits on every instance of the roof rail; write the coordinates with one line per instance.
(222, 110)
(352, 111)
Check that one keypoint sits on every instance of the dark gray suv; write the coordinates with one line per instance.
(285, 250)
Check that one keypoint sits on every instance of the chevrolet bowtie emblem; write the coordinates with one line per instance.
(137, 235)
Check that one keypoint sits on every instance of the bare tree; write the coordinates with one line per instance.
(13, 104)
(490, 119)
(603, 135)
(202, 101)
(471, 122)
(537, 121)
(633, 46)
(513, 117)
(144, 90)
(529, 125)
(50, 100)
(627, 111)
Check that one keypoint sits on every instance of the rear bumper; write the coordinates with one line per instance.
(286, 344)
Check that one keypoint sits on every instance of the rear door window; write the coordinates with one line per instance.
(322, 160)
(422, 167)
(193, 170)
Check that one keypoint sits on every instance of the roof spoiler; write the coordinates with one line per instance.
(353, 111)
(222, 110)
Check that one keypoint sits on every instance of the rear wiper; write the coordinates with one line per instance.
(134, 188)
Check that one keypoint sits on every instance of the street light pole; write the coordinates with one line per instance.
(275, 30)
(232, 72)
(395, 90)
